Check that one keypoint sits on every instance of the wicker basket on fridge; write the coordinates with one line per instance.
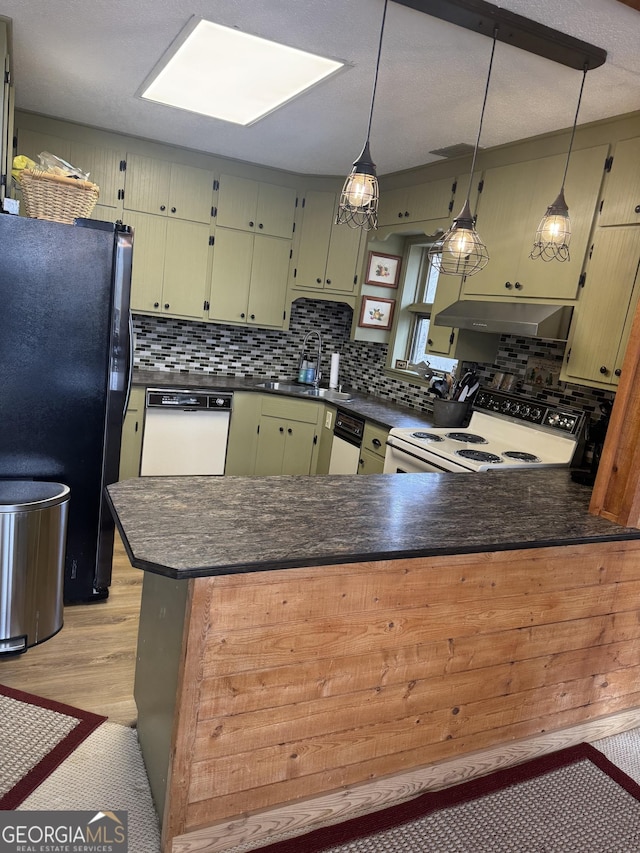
(61, 199)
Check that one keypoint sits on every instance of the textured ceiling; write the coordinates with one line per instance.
(84, 61)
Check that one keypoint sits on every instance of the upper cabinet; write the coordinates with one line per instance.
(254, 206)
(417, 203)
(602, 319)
(621, 196)
(512, 203)
(6, 110)
(328, 254)
(168, 189)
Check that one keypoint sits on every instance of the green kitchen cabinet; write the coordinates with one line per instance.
(6, 110)
(621, 194)
(372, 452)
(255, 206)
(170, 264)
(604, 314)
(168, 189)
(328, 255)
(287, 436)
(131, 445)
(514, 199)
(243, 433)
(416, 203)
(248, 278)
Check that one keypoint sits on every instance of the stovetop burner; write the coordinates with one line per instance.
(427, 436)
(521, 456)
(478, 455)
(467, 437)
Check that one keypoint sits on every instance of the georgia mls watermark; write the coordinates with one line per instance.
(63, 832)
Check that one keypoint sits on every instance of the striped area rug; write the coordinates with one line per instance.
(572, 801)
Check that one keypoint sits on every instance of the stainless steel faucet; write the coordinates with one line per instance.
(317, 373)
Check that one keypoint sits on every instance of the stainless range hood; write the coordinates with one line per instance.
(508, 318)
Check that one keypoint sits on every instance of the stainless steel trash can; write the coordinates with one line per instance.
(33, 530)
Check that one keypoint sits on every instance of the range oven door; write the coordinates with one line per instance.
(399, 460)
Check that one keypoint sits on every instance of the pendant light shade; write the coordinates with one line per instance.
(554, 232)
(460, 251)
(358, 205)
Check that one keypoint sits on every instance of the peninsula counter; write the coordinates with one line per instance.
(301, 636)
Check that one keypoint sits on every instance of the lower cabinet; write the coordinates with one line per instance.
(131, 445)
(287, 436)
(373, 449)
(243, 433)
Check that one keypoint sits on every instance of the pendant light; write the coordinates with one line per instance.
(460, 251)
(358, 206)
(554, 232)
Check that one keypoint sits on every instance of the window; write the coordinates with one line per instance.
(412, 337)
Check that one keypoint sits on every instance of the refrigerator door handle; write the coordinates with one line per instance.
(130, 368)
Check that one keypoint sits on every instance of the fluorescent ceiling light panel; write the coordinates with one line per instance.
(230, 75)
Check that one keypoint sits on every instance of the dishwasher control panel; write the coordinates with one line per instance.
(169, 398)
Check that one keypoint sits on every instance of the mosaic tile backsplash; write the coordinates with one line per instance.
(164, 343)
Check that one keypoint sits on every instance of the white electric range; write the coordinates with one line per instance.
(506, 432)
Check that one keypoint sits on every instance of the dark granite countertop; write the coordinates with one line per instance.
(197, 526)
(366, 405)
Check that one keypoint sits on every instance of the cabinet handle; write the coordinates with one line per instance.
(430, 342)
(242, 316)
(281, 429)
(618, 371)
(290, 431)
(253, 316)
(637, 208)
(156, 304)
(399, 214)
(163, 207)
(376, 442)
(318, 281)
(173, 210)
(508, 285)
(166, 304)
(361, 461)
(251, 224)
(603, 370)
(328, 281)
(260, 225)
(406, 213)
(517, 285)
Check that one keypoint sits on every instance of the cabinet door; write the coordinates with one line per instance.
(431, 200)
(149, 238)
(6, 109)
(103, 165)
(31, 143)
(185, 268)
(237, 202)
(596, 348)
(342, 258)
(147, 184)
(190, 193)
(243, 433)
(370, 463)
(230, 275)
(131, 446)
(268, 289)
(317, 217)
(270, 450)
(441, 338)
(621, 205)
(298, 447)
(276, 210)
(393, 207)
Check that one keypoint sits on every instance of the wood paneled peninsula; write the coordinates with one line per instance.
(314, 646)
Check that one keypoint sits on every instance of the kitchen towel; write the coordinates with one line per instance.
(333, 373)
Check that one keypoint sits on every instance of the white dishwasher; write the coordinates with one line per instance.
(185, 432)
(347, 441)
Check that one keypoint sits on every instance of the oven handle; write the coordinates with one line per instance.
(403, 452)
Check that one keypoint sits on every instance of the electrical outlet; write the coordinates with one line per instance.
(328, 419)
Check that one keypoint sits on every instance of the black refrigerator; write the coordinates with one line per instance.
(66, 360)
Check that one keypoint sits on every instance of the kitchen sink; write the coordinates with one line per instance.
(306, 391)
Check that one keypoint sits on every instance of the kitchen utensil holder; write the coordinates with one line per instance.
(450, 413)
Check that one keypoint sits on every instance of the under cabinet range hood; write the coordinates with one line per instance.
(508, 318)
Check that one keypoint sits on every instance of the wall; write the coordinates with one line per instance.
(191, 347)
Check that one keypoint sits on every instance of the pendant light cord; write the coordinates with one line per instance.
(375, 78)
(575, 122)
(484, 103)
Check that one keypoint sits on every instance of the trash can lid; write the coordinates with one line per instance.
(21, 495)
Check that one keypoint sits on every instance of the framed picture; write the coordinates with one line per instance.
(383, 270)
(376, 313)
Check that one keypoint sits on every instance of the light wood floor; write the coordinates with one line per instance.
(90, 663)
